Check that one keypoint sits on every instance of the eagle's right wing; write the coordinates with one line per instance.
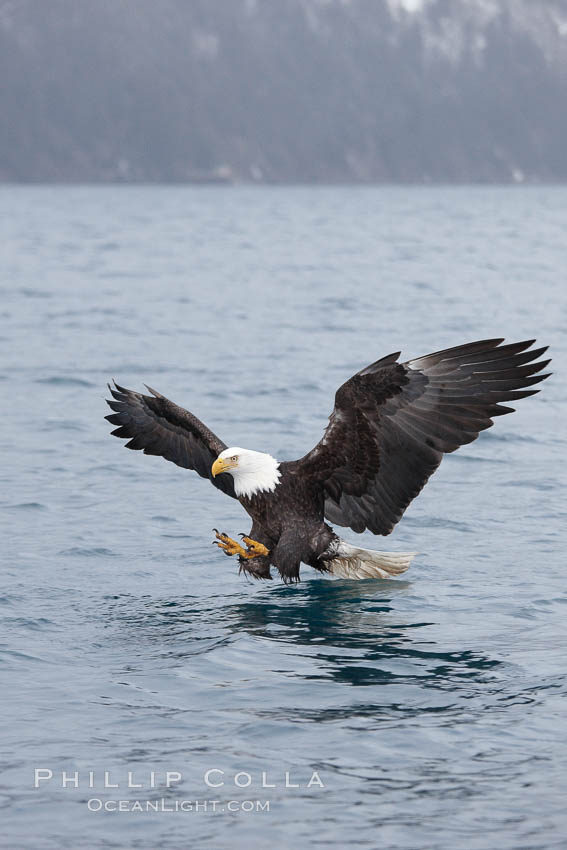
(157, 426)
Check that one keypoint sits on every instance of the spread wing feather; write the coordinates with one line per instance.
(155, 425)
(392, 423)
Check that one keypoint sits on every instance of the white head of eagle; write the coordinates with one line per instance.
(253, 472)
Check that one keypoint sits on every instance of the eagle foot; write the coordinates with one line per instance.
(231, 547)
(254, 549)
(228, 545)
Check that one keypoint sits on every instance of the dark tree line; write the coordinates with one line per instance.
(281, 90)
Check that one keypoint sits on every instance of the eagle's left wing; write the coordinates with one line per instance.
(157, 426)
(392, 423)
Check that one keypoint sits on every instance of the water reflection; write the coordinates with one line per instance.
(346, 632)
(356, 634)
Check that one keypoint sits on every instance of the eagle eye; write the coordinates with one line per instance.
(234, 458)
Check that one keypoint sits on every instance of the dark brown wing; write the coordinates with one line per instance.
(157, 426)
(393, 422)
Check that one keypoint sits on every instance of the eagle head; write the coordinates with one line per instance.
(253, 472)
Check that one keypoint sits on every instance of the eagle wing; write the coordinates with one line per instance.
(392, 423)
(157, 426)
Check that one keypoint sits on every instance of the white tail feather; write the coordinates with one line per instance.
(355, 563)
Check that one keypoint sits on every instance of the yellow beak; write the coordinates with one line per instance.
(221, 465)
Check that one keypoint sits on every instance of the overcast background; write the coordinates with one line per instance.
(294, 91)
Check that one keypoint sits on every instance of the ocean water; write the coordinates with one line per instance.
(419, 714)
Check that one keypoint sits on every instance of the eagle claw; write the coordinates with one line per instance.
(227, 544)
(231, 547)
(255, 549)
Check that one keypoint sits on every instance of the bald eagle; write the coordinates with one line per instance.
(391, 425)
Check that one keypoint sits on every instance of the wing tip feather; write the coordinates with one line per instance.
(153, 392)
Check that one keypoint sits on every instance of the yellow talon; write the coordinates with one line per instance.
(255, 549)
(231, 547)
(228, 545)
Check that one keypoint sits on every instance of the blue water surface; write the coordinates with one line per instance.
(419, 714)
